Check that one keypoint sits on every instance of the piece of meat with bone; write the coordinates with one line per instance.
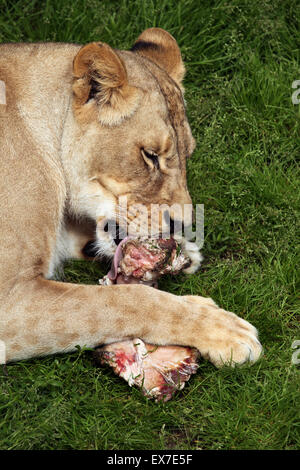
(158, 370)
(142, 260)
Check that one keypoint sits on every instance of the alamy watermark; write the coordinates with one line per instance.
(155, 221)
(296, 94)
(296, 354)
(2, 92)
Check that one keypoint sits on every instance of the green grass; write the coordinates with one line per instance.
(241, 57)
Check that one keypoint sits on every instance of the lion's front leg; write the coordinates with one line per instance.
(220, 336)
(54, 317)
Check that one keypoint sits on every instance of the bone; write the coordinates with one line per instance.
(160, 371)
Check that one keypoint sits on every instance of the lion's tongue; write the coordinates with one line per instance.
(113, 272)
(119, 278)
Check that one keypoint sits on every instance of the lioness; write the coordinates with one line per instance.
(79, 127)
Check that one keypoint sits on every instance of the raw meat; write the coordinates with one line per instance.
(145, 260)
(158, 370)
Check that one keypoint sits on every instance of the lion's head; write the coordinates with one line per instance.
(132, 134)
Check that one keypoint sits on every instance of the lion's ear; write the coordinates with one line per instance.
(101, 83)
(159, 46)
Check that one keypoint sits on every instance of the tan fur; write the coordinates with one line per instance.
(160, 47)
(116, 99)
(65, 159)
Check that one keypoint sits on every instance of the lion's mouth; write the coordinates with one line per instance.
(144, 260)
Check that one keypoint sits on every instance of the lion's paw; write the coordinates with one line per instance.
(231, 341)
(222, 337)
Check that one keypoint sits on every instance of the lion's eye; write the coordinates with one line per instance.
(151, 157)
